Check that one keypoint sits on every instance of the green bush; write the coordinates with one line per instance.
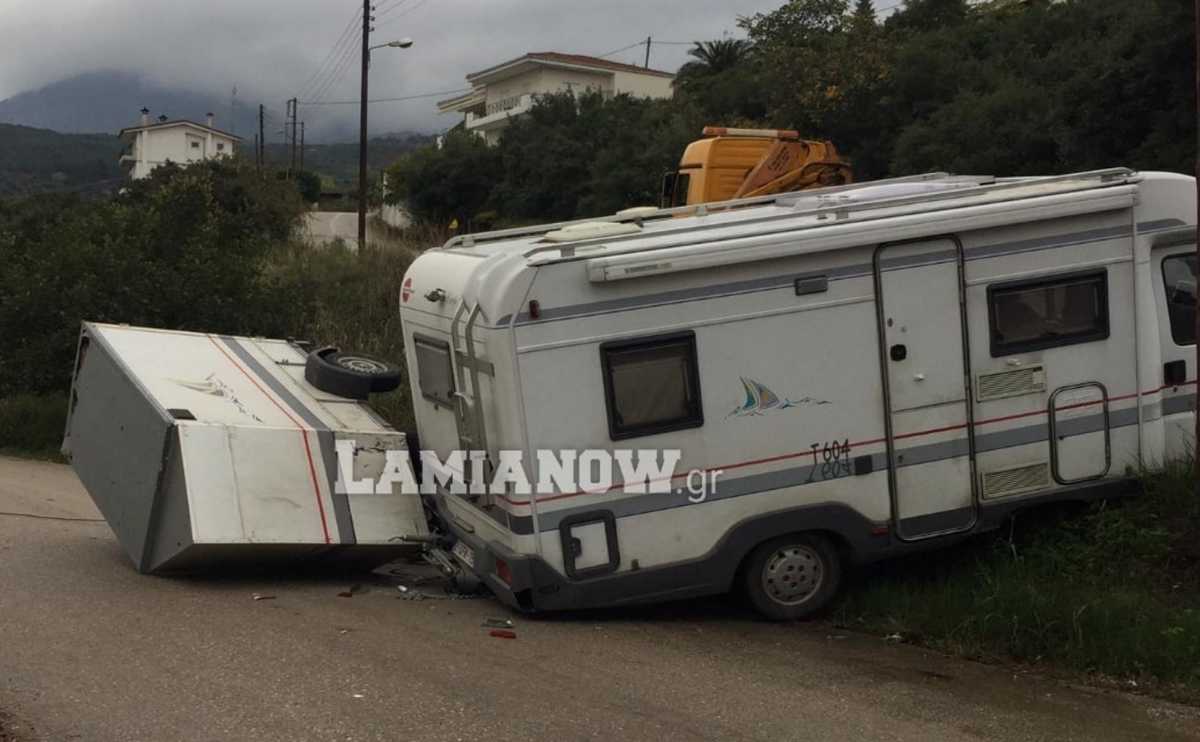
(32, 424)
(182, 249)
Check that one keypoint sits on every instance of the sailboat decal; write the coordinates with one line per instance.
(760, 400)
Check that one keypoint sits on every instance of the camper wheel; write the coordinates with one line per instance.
(351, 375)
(793, 577)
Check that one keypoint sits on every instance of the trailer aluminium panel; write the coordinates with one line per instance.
(204, 449)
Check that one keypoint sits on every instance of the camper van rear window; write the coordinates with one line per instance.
(651, 385)
(434, 373)
(1179, 279)
(1048, 312)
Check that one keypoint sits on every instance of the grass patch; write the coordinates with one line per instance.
(32, 425)
(1110, 589)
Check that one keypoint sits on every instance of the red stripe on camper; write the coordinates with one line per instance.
(312, 469)
(858, 444)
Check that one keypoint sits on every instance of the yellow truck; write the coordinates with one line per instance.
(740, 163)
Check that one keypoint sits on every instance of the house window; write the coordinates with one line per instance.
(435, 375)
(195, 145)
(220, 146)
(1048, 312)
(1179, 280)
(651, 385)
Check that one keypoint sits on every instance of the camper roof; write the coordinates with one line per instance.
(854, 207)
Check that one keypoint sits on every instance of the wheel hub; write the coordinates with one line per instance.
(792, 574)
(362, 365)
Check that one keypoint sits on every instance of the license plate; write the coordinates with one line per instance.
(464, 552)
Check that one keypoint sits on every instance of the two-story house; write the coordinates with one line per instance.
(152, 143)
(506, 90)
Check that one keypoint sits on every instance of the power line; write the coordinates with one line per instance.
(410, 9)
(388, 8)
(383, 100)
(339, 71)
(333, 51)
(622, 49)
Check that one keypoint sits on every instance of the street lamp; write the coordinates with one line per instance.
(362, 118)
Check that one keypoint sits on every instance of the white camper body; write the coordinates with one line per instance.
(889, 365)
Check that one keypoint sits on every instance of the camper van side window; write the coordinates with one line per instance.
(1048, 312)
(435, 376)
(1179, 279)
(651, 385)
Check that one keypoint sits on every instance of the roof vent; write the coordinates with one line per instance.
(591, 230)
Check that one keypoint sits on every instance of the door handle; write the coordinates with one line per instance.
(898, 352)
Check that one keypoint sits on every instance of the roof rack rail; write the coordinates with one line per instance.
(843, 210)
(469, 240)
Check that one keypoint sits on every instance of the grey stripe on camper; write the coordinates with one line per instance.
(341, 502)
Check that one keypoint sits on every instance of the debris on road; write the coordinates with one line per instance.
(503, 633)
(354, 590)
(497, 623)
(258, 596)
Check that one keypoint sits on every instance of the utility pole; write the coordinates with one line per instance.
(648, 42)
(293, 105)
(262, 138)
(301, 146)
(257, 155)
(362, 127)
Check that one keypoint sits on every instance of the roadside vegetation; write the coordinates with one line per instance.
(1111, 590)
(210, 247)
(1008, 87)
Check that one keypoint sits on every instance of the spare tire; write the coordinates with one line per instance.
(351, 375)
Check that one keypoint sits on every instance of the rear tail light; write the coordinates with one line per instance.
(503, 571)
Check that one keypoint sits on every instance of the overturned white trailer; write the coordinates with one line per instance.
(201, 449)
(872, 368)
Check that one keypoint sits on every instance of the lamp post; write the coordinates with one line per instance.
(362, 119)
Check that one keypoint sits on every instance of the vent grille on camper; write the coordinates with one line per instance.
(1016, 480)
(1011, 383)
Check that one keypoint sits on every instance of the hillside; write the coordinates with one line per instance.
(340, 161)
(108, 101)
(38, 160)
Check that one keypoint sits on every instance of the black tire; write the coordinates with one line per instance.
(351, 375)
(793, 577)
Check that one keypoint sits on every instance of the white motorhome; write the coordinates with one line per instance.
(873, 368)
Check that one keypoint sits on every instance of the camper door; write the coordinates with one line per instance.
(921, 315)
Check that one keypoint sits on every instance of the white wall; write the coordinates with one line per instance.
(171, 144)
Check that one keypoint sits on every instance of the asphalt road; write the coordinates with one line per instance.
(91, 650)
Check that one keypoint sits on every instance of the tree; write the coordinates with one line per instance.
(440, 184)
(712, 58)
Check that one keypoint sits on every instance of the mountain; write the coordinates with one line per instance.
(108, 101)
(38, 161)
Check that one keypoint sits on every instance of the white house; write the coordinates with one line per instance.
(506, 90)
(150, 144)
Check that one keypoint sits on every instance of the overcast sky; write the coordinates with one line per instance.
(271, 49)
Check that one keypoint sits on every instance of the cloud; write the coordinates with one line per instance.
(271, 49)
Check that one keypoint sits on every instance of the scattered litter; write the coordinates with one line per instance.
(503, 633)
(497, 623)
(402, 588)
(836, 636)
(893, 638)
(257, 596)
(358, 695)
(354, 590)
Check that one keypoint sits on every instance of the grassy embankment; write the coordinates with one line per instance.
(1111, 590)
